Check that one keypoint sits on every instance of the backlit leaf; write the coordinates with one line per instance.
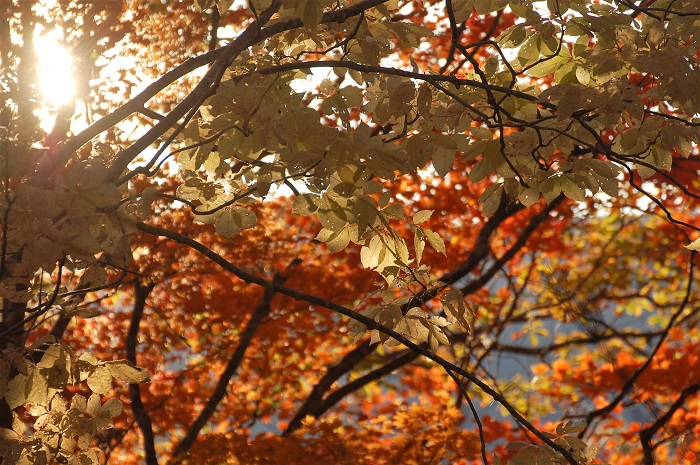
(100, 381)
(422, 216)
(123, 371)
(435, 241)
(695, 245)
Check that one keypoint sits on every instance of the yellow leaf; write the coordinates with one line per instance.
(124, 371)
(695, 245)
(100, 381)
(16, 393)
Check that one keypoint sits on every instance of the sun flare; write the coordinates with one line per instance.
(56, 82)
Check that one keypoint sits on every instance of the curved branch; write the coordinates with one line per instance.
(475, 414)
(221, 58)
(140, 414)
(261, 310)
(648, 433)
(368, 322)
(316, 405)
(65, 149)
(633, 379)
(214, 29)
(315, 400)
(534, 223)
(204, 89)
(430, 78)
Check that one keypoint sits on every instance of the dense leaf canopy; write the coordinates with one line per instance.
(374, 231)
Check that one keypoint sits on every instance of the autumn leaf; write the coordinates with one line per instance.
(218, 198)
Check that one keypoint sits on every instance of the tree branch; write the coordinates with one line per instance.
(648, 433)
(315, 401)
(430, 78)
(222, 57)
(261, 310)
(140, 414)
(214, 29)
(633, 379)
(535, 222)
(316, 405)
(65, 150)
(368, 322)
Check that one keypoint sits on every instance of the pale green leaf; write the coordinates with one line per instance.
(572, 190)
(387, 296)
(58, 404)
(425, 99)
(372, 253)
(661, 158)
(389, 316)
(480, 170)
(79, 403)
(401, 97)
(442, 160)
(462, 10)
(695, 245)
(85, 440)
(491, 198)
(110, 409)
(86, 363)
(94, 403)
(645, 172)
(305, 204)
(40, 388)
(124, 371)
(550, 65)
(339, 240)
(93, 277)
(312, 13)
(568, 427)
(357, 328)
(204, 4)
(371, 187)
(435, 241)
(455, 307)
(377, 337)
(224, 5)
(324, 235)
(528, 196)
(401, 251)
(422, 216)
(100, 381)
(419, 246)
(234, 219)
(481, 132)
(17, 391)
(395, 211)
(366, 214)
(53, 354)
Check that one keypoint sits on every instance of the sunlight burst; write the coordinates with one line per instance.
(56, 81)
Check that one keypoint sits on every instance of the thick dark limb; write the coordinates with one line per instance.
(629, 385)
(140, 414)
(368, 322)
(261, 310)
(214, 29)
(648, 433)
